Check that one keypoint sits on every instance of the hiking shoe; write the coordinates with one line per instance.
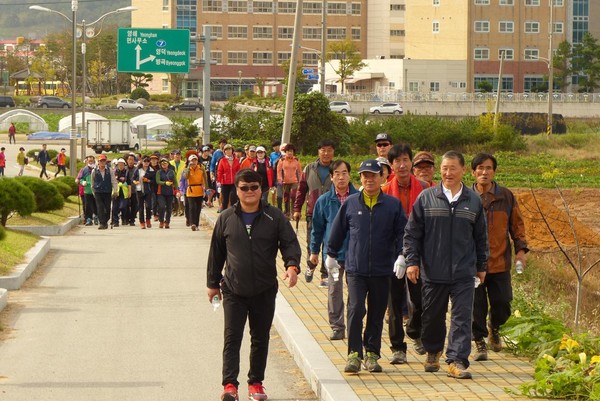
(308, 274)
(194, 228)
(88, 222)
(494, 339)
(167, 225)
(148, 223)
(398, 358)
(371, 363)
(457, 370)
(230, 393)
(418, 347)
(481, 353)
(353, 364)
(324, 283)
(161, 225)
(432, 363)
(256, 392)
(337, 335)
(143, 225)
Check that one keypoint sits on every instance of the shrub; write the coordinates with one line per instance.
(138, 93)
(64, 189)
(70, 182)
(46, 195)
(163, 97)
(15, 197)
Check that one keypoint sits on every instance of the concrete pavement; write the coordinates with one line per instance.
(122, 315)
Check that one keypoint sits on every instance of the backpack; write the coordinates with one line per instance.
(26, 160)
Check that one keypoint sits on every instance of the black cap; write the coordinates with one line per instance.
(371, 166)
(383, 137)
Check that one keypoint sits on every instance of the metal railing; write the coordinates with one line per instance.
(534, 97)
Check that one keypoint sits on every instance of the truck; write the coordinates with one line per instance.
(112, 136)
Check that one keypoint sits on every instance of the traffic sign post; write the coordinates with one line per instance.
(153, 50)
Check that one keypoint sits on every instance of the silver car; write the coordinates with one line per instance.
(387, 108)
(129, 104)
(340, 107)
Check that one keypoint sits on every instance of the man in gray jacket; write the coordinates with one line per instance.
(446, 244)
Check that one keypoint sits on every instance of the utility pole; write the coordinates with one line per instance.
(206, 86)
(499, 89)
(550, 70)
(291, 87)
(323, 44)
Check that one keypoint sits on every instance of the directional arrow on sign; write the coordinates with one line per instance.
(138, 62)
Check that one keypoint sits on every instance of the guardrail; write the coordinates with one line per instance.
(469, 97)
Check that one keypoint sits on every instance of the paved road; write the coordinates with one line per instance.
(122, 315)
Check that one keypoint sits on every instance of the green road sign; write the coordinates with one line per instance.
(153, 50)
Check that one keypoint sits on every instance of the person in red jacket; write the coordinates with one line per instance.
(61, 162)
(263, 167)
(228, 166)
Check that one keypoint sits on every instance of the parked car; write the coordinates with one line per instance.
(191, 105)
(7, 101)
(53, 102)
(340, 107)
(387, 108)
(129, 104)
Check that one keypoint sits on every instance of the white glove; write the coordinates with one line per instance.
(400, 267)
(333, 268)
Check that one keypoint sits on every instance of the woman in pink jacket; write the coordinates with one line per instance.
(227, 168)
(289, 171)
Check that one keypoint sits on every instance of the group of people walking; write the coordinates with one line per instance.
(402, 244)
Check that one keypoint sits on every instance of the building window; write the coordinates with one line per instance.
(482, 53)
(285, 32)
(237, 57)
(283, 57)
(435, 26)
(310, 59)
(558, 3)
(263, 7)
(532, 27)
(558, 27)
(165, 85)
(262, 32)
(532, 54)
(397, 32)
(356, 34)
(217, 56)
(482, 2)
(336, 8)
(507, 2)
(165, 26)
(507, 82)
(311, 33)
(533, 84)
(532, 2)
(262, 58)
(216, 31)
(312, 8)
(212, 5)
(165, 6)
(509, 54)
(413, 86)
(336, 33)
(286, 7)
(234, 6)
(237, 32)
(506, 27)
(434, 86)
(397, 7)
(482, 26)
(356, 9)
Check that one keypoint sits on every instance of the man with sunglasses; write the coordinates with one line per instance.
(248, 237)
(383, 143)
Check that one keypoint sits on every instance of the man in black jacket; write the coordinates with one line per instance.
(44, 158)
(247, 237)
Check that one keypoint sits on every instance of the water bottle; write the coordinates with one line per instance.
(216, 302)
(477, 281)
(335, 273)
(519, 267)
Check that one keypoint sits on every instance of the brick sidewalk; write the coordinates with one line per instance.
(400, 382)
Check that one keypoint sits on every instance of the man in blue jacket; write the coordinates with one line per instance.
(374, 224)
(446, 244)
(324, 213)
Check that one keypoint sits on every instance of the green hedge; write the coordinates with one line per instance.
(70, 182)
(47, 196)
(64, 189)
(15, 197)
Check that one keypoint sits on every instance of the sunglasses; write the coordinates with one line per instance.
(247, 188)
(382, 144)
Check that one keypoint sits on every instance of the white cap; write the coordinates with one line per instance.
(192, 156)
(261, 149)
(121, 160)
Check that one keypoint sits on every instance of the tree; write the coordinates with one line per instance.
(485, 86)
(176, 81)
(140, 79)
(350, 59)
(586, 61)
(561, 61)
(184, 136)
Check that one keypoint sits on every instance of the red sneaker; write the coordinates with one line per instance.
(256, 392)
(230, 393)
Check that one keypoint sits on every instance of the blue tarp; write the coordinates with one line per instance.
(49, 136)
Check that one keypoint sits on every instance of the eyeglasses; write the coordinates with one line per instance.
(247, 188)
(382, 144)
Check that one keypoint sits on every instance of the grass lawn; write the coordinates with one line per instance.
(13, 249)
(70, 209)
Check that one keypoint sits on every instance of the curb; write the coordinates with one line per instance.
(49, 231)
(21, 272)
(3, 298)
(322, 375)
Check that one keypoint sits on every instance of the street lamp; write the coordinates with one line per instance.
(73, 21)
(240, 83)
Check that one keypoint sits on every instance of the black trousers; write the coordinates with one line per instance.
(397, 300)
(258, 311)
(89, 206)
(144, 201)
(120, 204)
(43, 172)
(497, 288)
(132, 208)
(61, 168)
(414, 325)
(229, 195)
(195, 204)
(373, 290)
(435, 307)
(323, 270)
(103, 205)
(165, 208)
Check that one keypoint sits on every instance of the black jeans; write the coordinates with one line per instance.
(144, 201)
(373, 290)
(61, 168)
(497, 288)
(395, 324)
(165, 208)
(43, 172)
(195, 204)
(89, 206)
(103, 206)
(259, 311)
(229, 195)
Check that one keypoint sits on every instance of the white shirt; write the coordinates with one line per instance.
(448, 193)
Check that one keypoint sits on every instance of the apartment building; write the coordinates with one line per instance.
(253, 37)
(386, 29)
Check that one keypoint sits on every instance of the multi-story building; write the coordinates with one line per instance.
(385, 29)
(253, 37)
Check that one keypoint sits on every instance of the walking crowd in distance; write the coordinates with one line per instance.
(406, 248)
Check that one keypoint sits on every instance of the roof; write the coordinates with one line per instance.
(36, 123)
(64, 125)
(152, 121)
(23, 74)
